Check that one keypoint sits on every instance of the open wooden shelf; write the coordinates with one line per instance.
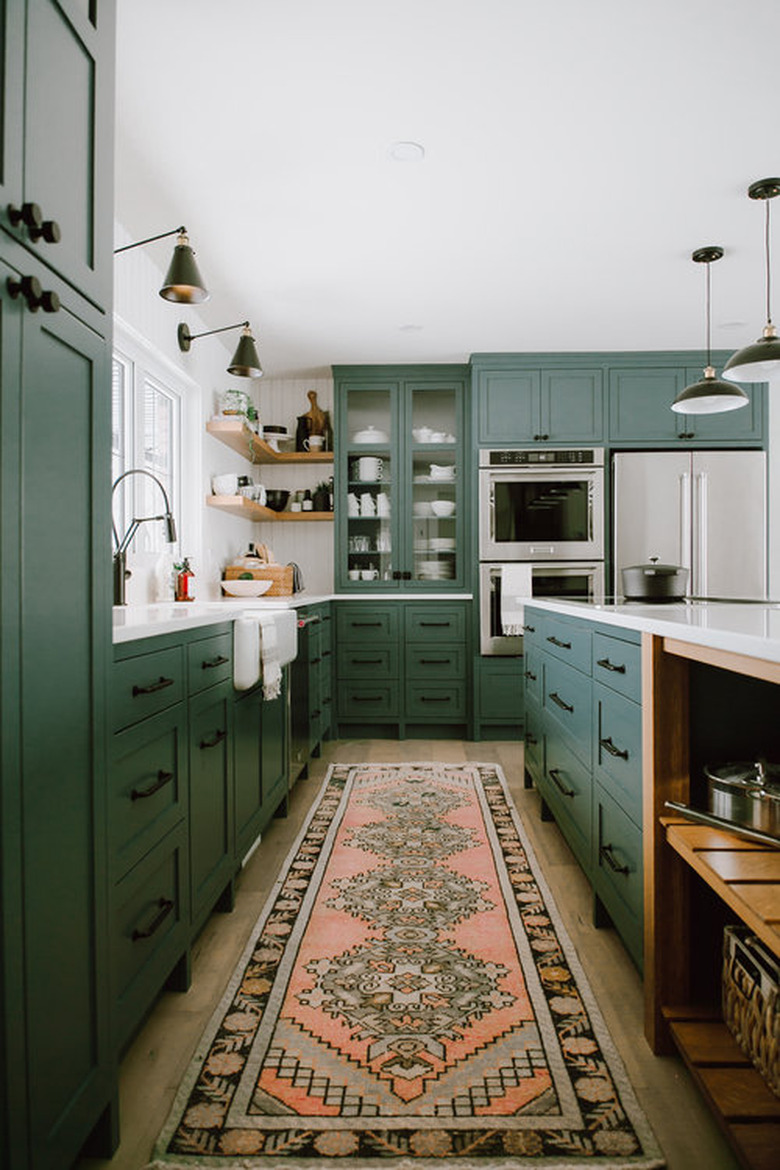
(250, 510)
(242, 439)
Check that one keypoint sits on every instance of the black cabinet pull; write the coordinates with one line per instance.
(396, 574)
(366, 698)
(406, 575)
(314, 661)
(316, 714)
(36, 296)
(442, 625)
(220, 660)
(555, 776)
(558, 642)
(366, 661)
(609, 746)
(605, 852)
(165, 906)
(210, 743)
(605, 662)
(326, 701)
(160, 685)
(541, 438)
(556, 698)
(529, 674)
(530, 629)
(434, 661)
(163, 778)
(435, 698)
(366, 625)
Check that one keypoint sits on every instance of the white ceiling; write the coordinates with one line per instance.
(576, 152)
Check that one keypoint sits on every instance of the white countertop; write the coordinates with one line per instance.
(751, 628)
(144, 621)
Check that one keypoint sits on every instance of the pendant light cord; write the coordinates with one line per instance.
(768, 267)
(707, 298)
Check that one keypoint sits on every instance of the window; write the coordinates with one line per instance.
(146, 434)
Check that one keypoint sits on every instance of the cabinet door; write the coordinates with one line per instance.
(369, 486)
(273, 750)
(11, 103)
(572, 406)
(211, 800)
(247, 775)
(640, 405)
(67, 162)
(55, 470)
(435, 502)
(508, 405)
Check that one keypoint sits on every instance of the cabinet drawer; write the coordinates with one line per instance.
(617, 866)
(435, 662)
(148, 787)
(150, 928)
(569, 642)
(435, 623)
(443, 702)
(380, 662)
(146, 684)
(210, 661)
(567, 788)
(366, 623)
(567, 702)
(366, 700)
(618, 664)
(534, 743)
(532, 673)
(617, 749)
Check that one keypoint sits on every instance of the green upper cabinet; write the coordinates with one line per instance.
(56, 161)
(640, 409)
(537, 405)
(400, 478)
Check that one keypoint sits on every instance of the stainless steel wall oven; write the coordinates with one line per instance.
(574, 579)
(538, 504)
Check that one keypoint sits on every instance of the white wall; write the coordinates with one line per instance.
(773, 471)
(213, 539)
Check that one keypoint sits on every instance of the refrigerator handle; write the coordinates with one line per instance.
(685, 521)
(700, 533)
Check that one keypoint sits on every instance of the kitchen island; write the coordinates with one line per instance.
(709, 677)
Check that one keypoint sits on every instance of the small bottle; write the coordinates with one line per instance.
(296, 505)
(185, 582)
(307, 503)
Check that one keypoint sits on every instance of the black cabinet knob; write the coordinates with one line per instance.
(49, 231)
(29, 214)
(37, 298)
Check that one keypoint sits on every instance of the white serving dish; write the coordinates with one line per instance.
(246, 588)
(369, 435)
(443, 508)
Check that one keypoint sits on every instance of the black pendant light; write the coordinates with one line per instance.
(709, 395)
(246, 361)
(183, 282)
(760, 362)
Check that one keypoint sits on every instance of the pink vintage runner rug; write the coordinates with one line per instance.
(408, 998)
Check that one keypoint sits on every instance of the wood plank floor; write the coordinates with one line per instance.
(157, 1060)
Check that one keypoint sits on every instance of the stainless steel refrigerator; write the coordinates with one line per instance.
(705, 510)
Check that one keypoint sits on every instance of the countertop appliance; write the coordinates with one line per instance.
(541, 505)
(703, 510)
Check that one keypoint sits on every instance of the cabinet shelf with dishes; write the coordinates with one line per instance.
(251, 510)
(246, 442)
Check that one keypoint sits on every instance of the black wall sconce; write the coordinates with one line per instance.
(183, 282)
(246, 361)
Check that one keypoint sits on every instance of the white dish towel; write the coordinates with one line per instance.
(515, 590)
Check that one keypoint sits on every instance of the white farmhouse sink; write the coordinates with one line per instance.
(263, 640)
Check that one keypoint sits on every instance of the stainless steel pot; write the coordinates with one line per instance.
(747, 794)
(654, 582)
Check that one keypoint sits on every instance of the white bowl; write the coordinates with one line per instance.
(443, 507)
(422, 508)
(246, 588)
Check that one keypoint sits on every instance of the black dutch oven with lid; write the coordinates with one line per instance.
(654, 582)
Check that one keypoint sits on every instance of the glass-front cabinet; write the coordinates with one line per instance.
(400, 482)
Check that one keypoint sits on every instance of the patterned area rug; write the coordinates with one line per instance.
(408, 998)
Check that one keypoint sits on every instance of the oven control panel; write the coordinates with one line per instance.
(593, 456)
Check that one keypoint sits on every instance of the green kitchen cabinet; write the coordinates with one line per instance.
(498, 697)
(212, 866)
(521, 404)
(640, 408)
(311, 686)
(259, 763)
(401, 478)
(583, 741)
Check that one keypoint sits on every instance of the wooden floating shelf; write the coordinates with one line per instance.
(242, 439)
(250, 510)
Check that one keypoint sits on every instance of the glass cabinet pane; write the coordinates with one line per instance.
(371, 484)
(434, 494)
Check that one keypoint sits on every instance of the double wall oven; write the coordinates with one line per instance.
(543, 510)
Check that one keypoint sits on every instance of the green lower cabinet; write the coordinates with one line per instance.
(273, 752)
(617, 870)
(247, 770)
(498, 697)
(212, 866)
(583, 751)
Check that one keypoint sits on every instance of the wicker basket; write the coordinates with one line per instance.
(281, 575)
(751, 1000)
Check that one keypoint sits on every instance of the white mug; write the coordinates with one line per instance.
(367, 505)
(354, 574)
(369, 468)
(224, 485)
(369, 574)
(314, 443)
